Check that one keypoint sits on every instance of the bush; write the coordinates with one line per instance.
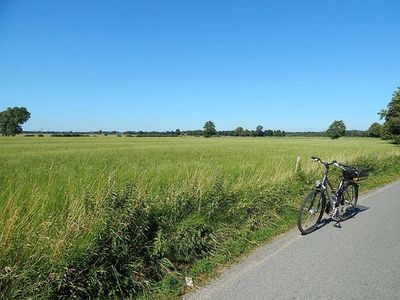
(396, 140)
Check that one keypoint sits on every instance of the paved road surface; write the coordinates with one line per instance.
(361, 260)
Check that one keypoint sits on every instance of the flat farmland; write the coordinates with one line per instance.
(58, 197)
(56, 169)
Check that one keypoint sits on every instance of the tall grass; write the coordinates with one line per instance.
(115, 217)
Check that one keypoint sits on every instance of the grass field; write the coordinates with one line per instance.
(120, 216)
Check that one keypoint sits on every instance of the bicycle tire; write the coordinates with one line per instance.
(313, 198)
(349, 201)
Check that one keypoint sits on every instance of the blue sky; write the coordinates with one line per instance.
(161, 65)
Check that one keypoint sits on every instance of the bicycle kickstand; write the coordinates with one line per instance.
(335, 217)
(337, 224)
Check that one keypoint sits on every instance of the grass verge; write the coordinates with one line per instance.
(130, 244)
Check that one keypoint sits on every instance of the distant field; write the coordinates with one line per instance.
(48, 183)
(57, 169)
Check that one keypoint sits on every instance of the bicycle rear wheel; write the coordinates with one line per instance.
(310, 212)
(347, 207)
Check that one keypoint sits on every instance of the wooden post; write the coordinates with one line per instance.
(297, 164)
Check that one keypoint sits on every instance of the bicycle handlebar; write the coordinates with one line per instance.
(326, 164)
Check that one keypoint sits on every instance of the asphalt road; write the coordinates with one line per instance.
(360, 260)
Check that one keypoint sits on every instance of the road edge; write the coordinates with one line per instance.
(264, 252)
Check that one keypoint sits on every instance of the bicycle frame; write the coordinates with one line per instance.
(330, 195)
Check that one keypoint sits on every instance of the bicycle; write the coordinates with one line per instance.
(340, 204)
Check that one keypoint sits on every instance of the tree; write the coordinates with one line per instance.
(238, 131)
(375, 130)
(259, 131)
(382, 113)
(336, 130)
(391, 126)
(12, 119)
(178, 131)
(246, 132)
(209, 129)
(269, 132)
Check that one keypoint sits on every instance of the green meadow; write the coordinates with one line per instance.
(109, 216)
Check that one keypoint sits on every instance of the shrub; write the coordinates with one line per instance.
(396, 140)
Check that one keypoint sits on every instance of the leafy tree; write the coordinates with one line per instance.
(226, 133)
(209, 129)
(391, 127)
(178, 131)
(382, 113)
(336, 130)
(246, 132)
(238, 131)
(12, 119)
(357, 133)
(269, 132)
(375, 130)
(259, 131)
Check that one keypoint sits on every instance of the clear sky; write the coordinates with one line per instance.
(162, 65)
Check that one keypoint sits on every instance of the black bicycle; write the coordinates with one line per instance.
(339, 203)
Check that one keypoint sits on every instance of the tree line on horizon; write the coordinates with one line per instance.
(11, 121)
(209, 132)
(197, 133)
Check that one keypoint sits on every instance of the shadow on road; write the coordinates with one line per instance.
(326, 221)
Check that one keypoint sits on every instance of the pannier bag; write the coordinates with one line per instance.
(356, 173)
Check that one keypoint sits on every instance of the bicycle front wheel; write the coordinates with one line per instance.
(310, 212)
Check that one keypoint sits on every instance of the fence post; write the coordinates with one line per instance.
(297, 164)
